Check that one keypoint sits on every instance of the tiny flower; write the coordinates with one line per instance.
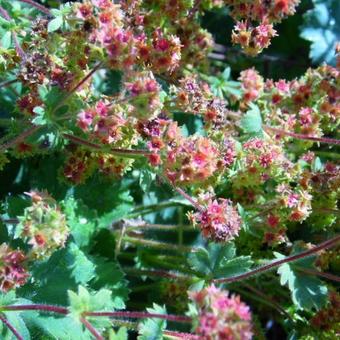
(221, 316)
(44, 226)
(218, 219)
(12, 269)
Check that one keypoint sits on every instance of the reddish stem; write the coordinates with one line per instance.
(8, 82)
(142, 315)
(327, 244)
(30, 131)
(157, 273)
(77, 86)
(321, 274)
(267, 298)
(39, 7)
(303, 137)
(126, 314)
(43, 308)
(84, 142)
(11, 327)
(91, 329)
(81, 141)
(181, 335)
(18, 48)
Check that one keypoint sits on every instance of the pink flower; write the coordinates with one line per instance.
(221, 316)
(219, 220)
(12, 271)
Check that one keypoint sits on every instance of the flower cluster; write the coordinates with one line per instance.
(254, 38)
(143, 94)
(252, 84)
(262, 160)
(43, 225)
(103, 122)
(193, 160)
(309, 105)
(217, 218)
(221, 316)
(327, 320)
(12, 268)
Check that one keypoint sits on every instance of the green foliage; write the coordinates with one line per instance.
(151, 329)
(251, 122)
(307, 291)
(322, 28)
(219, 261)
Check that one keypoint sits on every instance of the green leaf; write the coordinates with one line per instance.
(6, 40)
(55, 24)
(80, 219)
(219, 261)
(251, 122)
(308, 292)
(82, 269)
(39, 119)
(121, 334)
(322, 28)
(16, 320)
(108, 275)
(86, 301)
(146, 178)
(152, 329)
(65, 328)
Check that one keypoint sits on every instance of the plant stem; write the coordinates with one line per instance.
(161, 227)
(91, 329)
(327, 244)
(8, 82)
(114, 151)
(157, 273)
(317, 273)
(39, 7)
(18, 48)
(39, 307)
(157, 244)
(181, 335)
(11, 327)
(30, 131)
(78, 85)
(268, 299)
(141, 315)
(325, 140)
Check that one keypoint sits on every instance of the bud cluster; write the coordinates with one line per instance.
(43, 225)
(221, 316)
(13, 273)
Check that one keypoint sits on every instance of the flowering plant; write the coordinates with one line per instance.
(147, 194)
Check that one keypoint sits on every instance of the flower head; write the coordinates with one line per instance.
(12, 270)
(221, 316)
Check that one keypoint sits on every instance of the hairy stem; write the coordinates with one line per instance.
(114, 151)
(327, 244)
(268, 299)
(181, 335)
(141, 315)
(157, 244)
(78, 85)
(325, 140)
(11, 327)
(313, 272)
(39, 7)
(156, 273)
(18, 48)
(39, 307)
(30, 131)
(91, 329)
(8, 82)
